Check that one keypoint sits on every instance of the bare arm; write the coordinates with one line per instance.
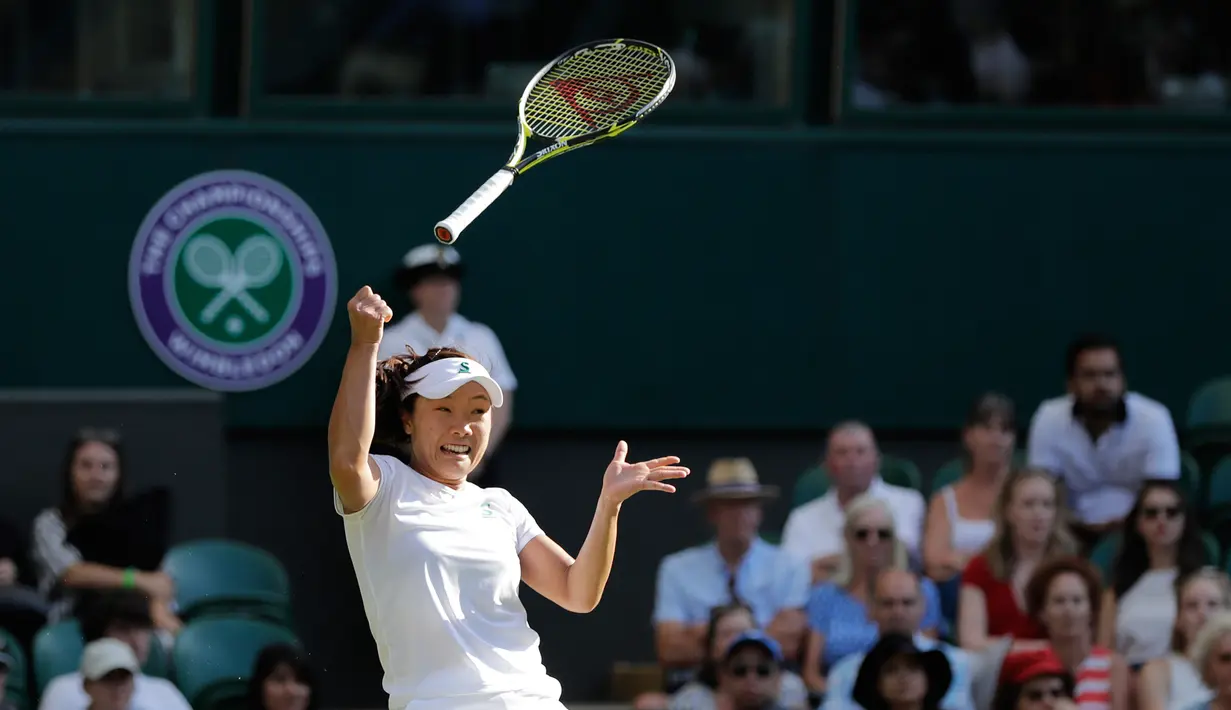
(575, 585)
(679, 645)
(351, 425)
(1154, 685)
(972, 619)
(940, 560)
(1107, 621)
(788, 628)
(813, 678)
(1119, 683)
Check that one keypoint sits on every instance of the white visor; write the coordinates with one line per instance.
(439, 379)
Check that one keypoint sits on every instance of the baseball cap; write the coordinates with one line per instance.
(1025, 666)
(106, 656)
(755, 638)
(441, 378)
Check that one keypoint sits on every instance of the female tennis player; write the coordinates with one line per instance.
(439, 559)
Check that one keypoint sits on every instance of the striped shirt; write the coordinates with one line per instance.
(51, 555)
(1093, 678)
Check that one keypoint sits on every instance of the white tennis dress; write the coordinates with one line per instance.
(438, 569)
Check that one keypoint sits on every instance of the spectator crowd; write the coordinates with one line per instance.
(1073, 575)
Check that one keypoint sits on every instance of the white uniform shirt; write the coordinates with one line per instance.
(1103, 477)
(814, 529)
(65, 692)
(474, 339)
(438, 570)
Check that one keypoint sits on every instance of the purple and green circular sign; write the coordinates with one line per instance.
(232, 281)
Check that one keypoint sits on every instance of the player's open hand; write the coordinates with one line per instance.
(368, 314)
(622, 479)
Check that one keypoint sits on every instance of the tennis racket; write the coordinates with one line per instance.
(588, 94)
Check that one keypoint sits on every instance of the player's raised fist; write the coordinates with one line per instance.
(368, 314)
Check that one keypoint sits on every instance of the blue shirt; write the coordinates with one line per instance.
(841, 680)
(843, 620)
(693, 581)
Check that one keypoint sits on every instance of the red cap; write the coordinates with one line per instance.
(1024, 666)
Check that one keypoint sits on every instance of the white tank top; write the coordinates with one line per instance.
(1186, 689)
(1145, 615)
(438, 570)
(969, 537)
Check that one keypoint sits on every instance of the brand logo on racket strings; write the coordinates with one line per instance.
(232, 281)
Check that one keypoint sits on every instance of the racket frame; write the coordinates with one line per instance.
(448, 230)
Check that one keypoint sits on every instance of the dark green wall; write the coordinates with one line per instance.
(676, 278)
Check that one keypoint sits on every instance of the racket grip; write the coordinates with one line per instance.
(450, 228)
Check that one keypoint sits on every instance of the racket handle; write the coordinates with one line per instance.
(450, 228)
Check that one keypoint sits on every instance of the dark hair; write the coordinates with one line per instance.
(990, 407)
(1085, 343)
(1008, 694)
(708, 673)
(391, 399)
(70, 506)
(1133, 559)
(99, 611)
(267, 663)
(1040, 584)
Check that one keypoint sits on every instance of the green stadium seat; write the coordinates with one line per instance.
(814, 482)
(228, 577)
(1218, 494)
(15, 686)
(950, 473)
(1213, 550)
(1190, 475)
(58, 647)
(214, 657)
(811, 484)
(1209, 413)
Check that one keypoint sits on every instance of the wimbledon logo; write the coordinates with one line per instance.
(232, 281)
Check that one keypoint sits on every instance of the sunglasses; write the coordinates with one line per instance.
(762, 670)
(881, 534)
(1170, 512)
(1036, 695)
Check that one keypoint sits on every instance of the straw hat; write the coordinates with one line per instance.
(733, 479)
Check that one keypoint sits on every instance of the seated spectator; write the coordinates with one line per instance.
(750, 676)
(1211, 656)
(1029, 530)
(123, 615)
(1173, 683)
(897, 675)
(837, 613)
(23, 611)
(1160, 543)
(737, 566)
(1102, 441)
(282, 680)
(1064, 597)
(1034, 680)
(92, 485)
(6, 667)
(960, 516)
(726, 624)
(813, 531)
(108, 672)
(897, 607)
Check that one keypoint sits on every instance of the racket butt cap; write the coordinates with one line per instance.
(443, 234)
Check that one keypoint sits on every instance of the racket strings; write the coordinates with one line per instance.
(594, 91)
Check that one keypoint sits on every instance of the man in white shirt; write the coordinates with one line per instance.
(431, 276)
(1101, 440)
(813, 531)
(123, 615)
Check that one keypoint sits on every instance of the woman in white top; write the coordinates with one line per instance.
(1171, 682)
(438, 559)
(1160, 543)
(960, 516)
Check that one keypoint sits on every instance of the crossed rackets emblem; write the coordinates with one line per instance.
(212, 264)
